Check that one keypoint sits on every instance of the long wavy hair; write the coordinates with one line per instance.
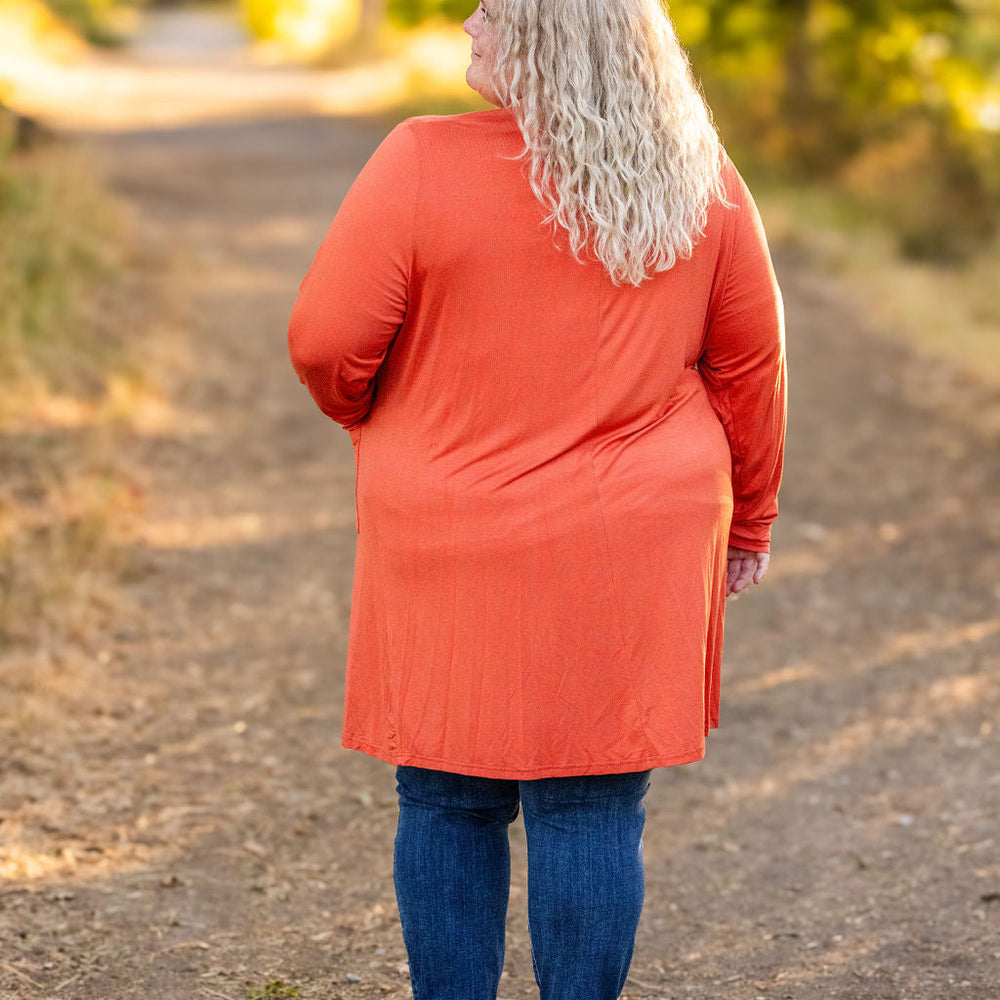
(622, 149)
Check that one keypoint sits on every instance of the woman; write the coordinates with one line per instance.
(553, 332)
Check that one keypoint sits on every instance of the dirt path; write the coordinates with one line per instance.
(202, 833)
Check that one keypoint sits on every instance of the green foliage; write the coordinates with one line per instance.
(262, 17)
(408, 13)
(65, 348)
(894, 102)
(91, 19)
(927, 188)
(8, 131)
(57, 245)
(274, 990)
(307, 26)
(885, 98)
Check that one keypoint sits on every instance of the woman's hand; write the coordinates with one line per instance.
(744, 566)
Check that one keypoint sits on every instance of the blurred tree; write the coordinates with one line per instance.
(898, 101)
(822, 63)
(887, 95)
(308, 27)
(322, 27)
(412, 12)
(94, 20)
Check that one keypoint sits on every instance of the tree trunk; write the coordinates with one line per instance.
(799, 97)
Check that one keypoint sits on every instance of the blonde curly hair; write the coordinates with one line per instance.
(622, 148)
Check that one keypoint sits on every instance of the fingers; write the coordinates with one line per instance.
(739, 574)
(732, 573)
(743, 569)
(763, 561)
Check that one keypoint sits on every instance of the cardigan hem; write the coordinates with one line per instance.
(398, 757)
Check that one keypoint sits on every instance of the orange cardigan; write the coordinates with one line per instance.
(549, 467)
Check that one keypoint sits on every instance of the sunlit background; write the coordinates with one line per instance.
(175, 541)
(870, 134)
(897, 104)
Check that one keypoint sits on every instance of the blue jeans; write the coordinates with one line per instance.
(585, 880)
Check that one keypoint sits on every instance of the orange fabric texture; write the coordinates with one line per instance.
(549, 467)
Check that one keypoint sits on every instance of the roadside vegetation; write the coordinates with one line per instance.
(99, 22)
(871, 134)
(76, 284)
(947, 312)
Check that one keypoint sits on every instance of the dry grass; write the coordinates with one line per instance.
(65, 516)
(948, 313)
(62, 240)
(81, 288)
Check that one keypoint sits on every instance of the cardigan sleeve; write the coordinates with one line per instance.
(353, 298)
(743, 367)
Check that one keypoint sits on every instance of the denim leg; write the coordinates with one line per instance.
(452, 873)
(585, 881)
